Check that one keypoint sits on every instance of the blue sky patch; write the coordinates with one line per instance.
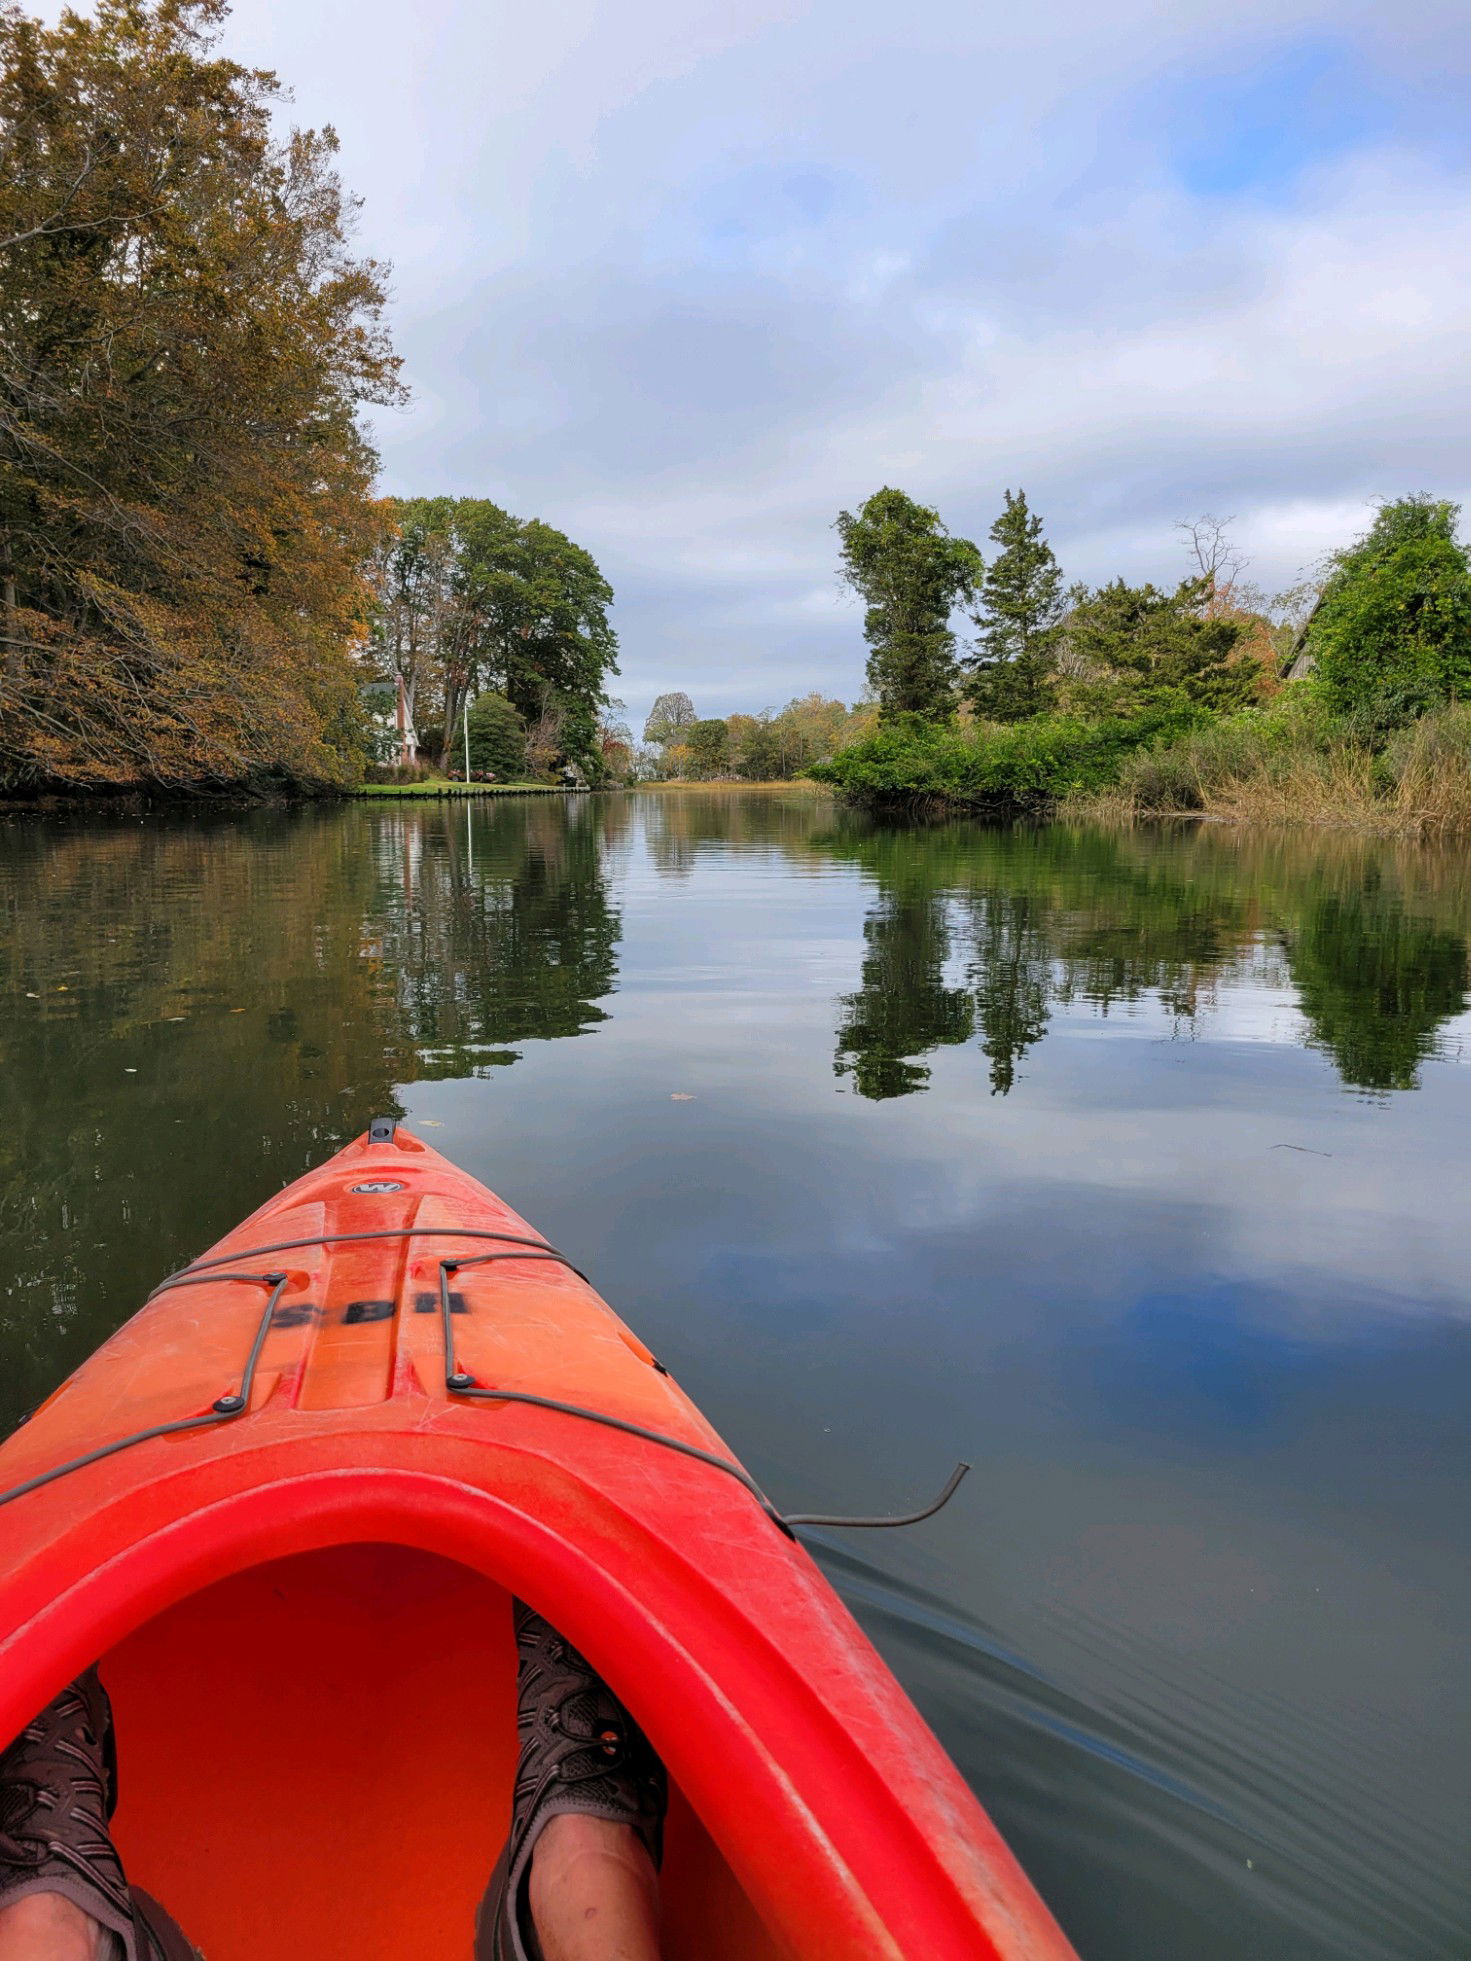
(1257, 132)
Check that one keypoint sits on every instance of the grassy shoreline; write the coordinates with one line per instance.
(1287, 762)
(446, 788)
(1297, 766)
(805, 785)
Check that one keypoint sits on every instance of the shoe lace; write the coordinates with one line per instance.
(17, 1806)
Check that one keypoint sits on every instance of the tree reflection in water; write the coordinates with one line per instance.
(204, 1001)
(258, 985)
(984, 931)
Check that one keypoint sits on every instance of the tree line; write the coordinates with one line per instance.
(196, 578)
(1039, 644)
(1059, 683)
(773, 746)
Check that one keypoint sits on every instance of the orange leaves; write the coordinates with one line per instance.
(184, 339)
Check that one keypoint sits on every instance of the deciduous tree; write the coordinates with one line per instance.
(185, 338)
(776, 746)
(472, 598)
(1218, 559)
(412, 574)
(1392, 633)
(669, 717)
(708, 743)
(911, 574)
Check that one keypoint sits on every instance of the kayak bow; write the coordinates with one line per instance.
(285, 1505)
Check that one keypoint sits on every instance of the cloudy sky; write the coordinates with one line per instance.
(685, 277)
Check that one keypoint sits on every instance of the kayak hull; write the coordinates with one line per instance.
(302, 1603)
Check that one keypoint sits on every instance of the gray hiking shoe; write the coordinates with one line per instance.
(58, 1786)
(58, 1790)
(580, 1751)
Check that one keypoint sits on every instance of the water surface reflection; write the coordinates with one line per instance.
(1125, 1164)
(1371, 939)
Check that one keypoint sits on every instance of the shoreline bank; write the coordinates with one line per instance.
(445, 791)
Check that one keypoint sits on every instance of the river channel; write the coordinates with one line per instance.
(1130, 1166)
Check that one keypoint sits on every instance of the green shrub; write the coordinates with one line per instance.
(1265, 744)
(1392, 634)
(497, 740)
(1005, 766)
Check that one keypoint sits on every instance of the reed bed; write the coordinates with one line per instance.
(1298, 767)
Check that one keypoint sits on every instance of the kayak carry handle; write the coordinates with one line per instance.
(904, 1518)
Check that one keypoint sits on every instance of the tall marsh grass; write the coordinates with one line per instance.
(1293, 762)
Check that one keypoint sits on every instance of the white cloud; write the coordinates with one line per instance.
(686, 278)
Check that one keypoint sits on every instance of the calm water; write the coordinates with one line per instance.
(1130, 1167)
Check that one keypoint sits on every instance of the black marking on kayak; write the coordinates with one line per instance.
(300, 1314)
(359, 1311)
(427, 1303)
(378, 1185)
(232, 1404)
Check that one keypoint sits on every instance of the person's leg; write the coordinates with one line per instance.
(50, 1927)
(57, 1862)
(577, 1880)
(63, 1896)
(594, 1892)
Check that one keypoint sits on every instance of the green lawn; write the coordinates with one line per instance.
(442, 787)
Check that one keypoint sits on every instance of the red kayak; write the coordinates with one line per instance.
(285, 1507)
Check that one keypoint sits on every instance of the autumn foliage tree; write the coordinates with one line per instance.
(776, 746)
(185, 339)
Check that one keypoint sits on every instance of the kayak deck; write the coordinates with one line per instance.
(286, 1505)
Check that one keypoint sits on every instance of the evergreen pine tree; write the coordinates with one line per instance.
(1020, 606)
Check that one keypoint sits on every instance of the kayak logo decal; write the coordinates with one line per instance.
(379, 1185)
